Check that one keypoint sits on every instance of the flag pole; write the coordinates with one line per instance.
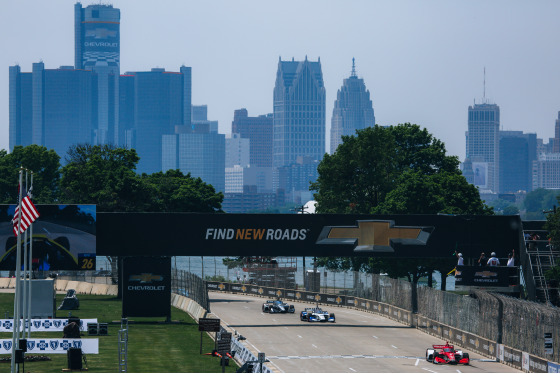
(24, 282)
(30, 269)
(18, 265)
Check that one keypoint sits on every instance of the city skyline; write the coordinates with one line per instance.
(422, 62)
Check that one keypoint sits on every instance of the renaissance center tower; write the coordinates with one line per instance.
(97, 48)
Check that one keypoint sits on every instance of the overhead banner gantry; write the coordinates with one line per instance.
(339, 235)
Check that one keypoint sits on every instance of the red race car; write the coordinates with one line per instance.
(446, 354)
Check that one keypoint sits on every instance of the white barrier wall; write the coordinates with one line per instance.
(43, 346)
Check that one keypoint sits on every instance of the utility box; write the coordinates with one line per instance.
(42, 298)
(312, 281)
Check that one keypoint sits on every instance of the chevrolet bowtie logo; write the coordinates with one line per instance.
(375, 236)
(145, 278)
(485, 274)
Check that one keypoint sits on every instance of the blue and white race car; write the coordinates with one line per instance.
(277, 306)
(316, 315)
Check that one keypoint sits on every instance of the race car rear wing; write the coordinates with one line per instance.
(441, 346)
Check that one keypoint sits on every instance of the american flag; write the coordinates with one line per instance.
(30, 213)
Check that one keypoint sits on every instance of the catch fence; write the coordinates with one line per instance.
(191, 286)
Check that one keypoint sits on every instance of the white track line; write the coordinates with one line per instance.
(352, 370)
(417, 361)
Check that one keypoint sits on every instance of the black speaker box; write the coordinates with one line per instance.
(19, 357)
(22, 344)
(93, 328)
(75, 358)
(103, 329)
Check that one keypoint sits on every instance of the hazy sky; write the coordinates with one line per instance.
(422, 61)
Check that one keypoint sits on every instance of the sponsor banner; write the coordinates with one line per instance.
(513, 357)
(339, 235)
(146, 287)
(525, 361)
(7, 325)
(237, 288)
(553, 367)
(41, 346)
(484, 276)
(101, 37)
(500, 352)
(537, 365)
(334, 299)
(473, 342)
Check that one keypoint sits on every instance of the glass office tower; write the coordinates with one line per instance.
(482, 146)
(55, 108)
(353, 109)
(97, 48)
(299, 112)
(160, 101)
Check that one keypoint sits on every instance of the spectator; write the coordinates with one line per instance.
(482, 260)
(493, 261)
(459, 258)
(511, 258)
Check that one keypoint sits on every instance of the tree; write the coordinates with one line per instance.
(103, 175)
(173, 191)
(45, 165)
(444, 192)
(537, 201)
(357, 176)
(391, 170)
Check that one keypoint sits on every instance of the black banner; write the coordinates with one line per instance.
(485, 276)
(146, 287)
(340, 235)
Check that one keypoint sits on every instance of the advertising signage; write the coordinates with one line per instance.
(146, 287)
(64, 238)
(192, 234)
(101, 36)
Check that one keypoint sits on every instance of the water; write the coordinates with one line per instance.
(214, 267)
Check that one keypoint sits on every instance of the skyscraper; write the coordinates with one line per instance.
(259, 131)
(353, 109)
(161, 100)
(482, 145)
(197, 151)
(299, 112)
(55, 108)
(97, 48)
(517, 153)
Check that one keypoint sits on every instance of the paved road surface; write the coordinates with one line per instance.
(357, 342)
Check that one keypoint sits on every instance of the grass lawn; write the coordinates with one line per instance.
(153, 346)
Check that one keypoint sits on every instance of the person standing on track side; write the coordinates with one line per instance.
(493, 261)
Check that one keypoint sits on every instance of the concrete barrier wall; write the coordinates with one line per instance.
(5, 282)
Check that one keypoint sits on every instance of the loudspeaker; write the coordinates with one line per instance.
(75, 358)
(22, 344)
(19, 358)
(103, 329)
(93, 328)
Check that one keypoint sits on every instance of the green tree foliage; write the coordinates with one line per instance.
(393, 170)
(173, 191)
(44, 164)
(357, 176)
(538, 201)
(103, 175)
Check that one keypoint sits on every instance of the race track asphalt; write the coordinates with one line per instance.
(359, 342)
